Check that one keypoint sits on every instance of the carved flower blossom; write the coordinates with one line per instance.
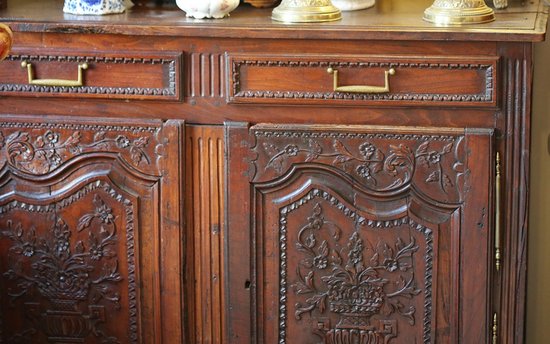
(28, 249)
(105, 213)
(391, 264)
(291, 150)
(320, 262)
(364, 171)
(433, 157)
(367, 149)
(122, 141)
(96, 252)
(51, 137)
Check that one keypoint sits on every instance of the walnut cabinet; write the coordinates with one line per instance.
(170, 180)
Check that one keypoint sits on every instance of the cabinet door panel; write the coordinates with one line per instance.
(358, 234)
(82, 218)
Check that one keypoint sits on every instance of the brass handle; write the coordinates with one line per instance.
(55, 82)
(6, 40)
(362, 88)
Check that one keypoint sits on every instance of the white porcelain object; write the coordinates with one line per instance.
(207, 8)
(352, 5)
(96, 7)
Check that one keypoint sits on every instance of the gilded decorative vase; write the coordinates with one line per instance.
(306, 11)
(458, 12)
(352, 5)
(207, 8)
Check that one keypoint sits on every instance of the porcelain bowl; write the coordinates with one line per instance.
(97, 7)
(207, 8)
(352, 5)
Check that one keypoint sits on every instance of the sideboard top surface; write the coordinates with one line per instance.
(389, 19)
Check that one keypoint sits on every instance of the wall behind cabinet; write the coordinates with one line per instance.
(538, 293)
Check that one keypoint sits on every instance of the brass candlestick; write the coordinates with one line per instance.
(458, 12)
(306, 11)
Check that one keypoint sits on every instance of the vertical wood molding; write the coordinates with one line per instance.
(516, 108)
(204, 209)
(207, 75)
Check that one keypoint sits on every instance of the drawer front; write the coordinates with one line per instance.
(122, 76)
(361, 80)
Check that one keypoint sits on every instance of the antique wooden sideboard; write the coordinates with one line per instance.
(171, 180)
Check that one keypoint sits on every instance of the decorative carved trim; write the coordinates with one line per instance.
(485, 96)
(168, 91)
(378, 169)
(80, 126)
(386, 329)
(63, 300)
(350, 135)
(44, 152)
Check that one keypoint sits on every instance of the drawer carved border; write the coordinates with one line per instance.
(484, 97)
(169, 91)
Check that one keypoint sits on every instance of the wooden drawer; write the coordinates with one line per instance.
(441, 80)
(124, 76)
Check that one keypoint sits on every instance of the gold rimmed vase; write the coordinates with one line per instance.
(459, 12)
(306, 11)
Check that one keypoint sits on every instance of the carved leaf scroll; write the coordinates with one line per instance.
(40, 149)
(379, 162)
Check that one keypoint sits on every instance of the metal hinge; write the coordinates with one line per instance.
(495, 328)
(497, 213)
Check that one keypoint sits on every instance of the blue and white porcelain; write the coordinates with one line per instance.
(97, 7)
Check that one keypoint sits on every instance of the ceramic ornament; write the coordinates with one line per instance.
(352, 5)
(207, 8)
(96, 7)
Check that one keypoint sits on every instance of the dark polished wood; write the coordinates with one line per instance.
(283, 210)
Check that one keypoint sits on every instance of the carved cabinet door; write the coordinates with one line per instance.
(89, 231)
(358, 234)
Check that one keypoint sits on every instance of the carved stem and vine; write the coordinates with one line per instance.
(44, 153)
(368, 161)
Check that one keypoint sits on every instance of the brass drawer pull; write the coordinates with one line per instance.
(361, 88)
(54, 82)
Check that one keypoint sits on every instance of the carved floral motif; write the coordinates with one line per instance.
(379, 170)
(352, 284)
(77, 278)
(356, 281)
(43, 153)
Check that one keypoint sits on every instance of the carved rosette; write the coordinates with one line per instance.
(67, 278)
(39, 149)
(354, 280)
(379, 163)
